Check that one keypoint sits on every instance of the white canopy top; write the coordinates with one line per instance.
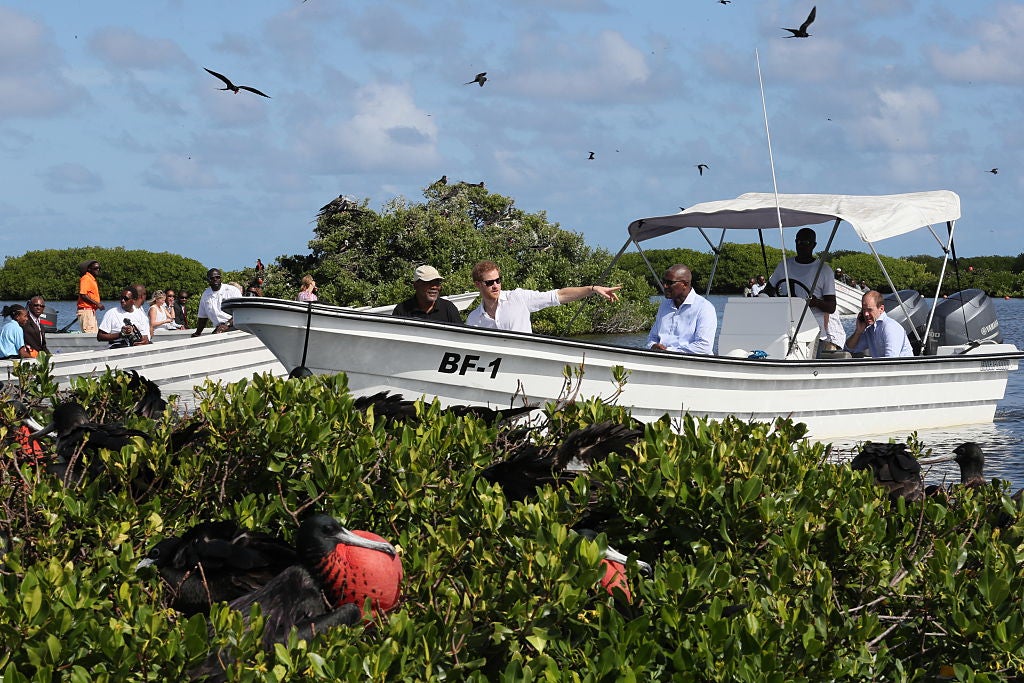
(873, 218)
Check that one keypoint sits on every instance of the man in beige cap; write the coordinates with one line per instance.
(427, 304)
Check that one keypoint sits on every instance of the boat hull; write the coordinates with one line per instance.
(836, 398)
(177, 366)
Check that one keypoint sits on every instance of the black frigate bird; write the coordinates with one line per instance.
(591, 157)
(305, 595)
(228, 85)
(77, 434)
(338, 205)
(152, 403)
(700, 168)
(802, 31)
(217, 562)
(895, 470)
(395, 408)
(531, 465)
(971, 460)
(993, 171)
(480, 78)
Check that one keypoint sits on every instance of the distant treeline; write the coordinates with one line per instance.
(363, 257)
(997, 275)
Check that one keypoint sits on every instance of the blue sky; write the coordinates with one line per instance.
(112, 134)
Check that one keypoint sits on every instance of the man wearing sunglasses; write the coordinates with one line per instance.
(686, 321)
(125, 325)
(500, 310)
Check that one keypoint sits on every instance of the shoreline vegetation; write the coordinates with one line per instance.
(770, 562)
(362, 257)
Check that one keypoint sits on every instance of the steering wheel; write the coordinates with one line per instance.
(791, 287)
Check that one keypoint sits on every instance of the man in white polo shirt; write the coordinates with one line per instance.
(501, 310)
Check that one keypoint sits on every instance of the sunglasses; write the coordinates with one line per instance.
(127, 298)
(495, 281)
(669, 283)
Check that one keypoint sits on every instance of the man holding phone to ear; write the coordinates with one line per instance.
(876, 332)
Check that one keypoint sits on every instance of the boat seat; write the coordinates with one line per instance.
(763, 324)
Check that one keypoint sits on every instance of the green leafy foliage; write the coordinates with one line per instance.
(364, 257)
(53, 273)
(770, 563)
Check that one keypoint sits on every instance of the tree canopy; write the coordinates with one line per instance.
(363, 257)
(53, 273)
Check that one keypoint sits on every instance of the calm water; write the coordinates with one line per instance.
(1000, 440)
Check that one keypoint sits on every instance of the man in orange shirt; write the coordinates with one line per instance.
(89, 297)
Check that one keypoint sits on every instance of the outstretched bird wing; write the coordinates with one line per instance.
(222, 77)
(809, 20)
(245, 87)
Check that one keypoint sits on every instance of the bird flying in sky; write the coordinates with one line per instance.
(994, 171)
(701, 167)
(591, 156)
(802, 31)
(228, 85)
(480, 78)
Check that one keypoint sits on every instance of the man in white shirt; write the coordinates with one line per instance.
(820, 294)
(686, 321)
(510, 310)
(210, 304)
(125, 325)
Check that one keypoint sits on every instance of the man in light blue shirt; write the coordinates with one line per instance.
(686, 321)
(877, 333)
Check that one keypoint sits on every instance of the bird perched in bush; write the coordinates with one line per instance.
(217, 562)
(77, 434)
(894, 468)
(971, 460)
(395, 408)
(533, 465)
(338, 571)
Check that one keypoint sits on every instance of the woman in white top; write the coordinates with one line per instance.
(159, 317)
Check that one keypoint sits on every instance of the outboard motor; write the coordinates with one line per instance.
(48, 320)
(915, 305)
(964, 317)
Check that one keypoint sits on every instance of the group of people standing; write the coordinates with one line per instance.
(128, 323)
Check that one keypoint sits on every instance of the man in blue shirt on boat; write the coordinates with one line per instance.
(686, 321)
(877, 333)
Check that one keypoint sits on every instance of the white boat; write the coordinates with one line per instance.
(835, 397)
(177, 366)
(848, 299)
(67, 342)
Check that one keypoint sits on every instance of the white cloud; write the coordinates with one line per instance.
(586, 68)
(31, 78)
(71, 178)
(128, 49)
(997, 52)
(899, 120)
(387, 131)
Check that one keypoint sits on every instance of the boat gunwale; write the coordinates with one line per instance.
(331, 311)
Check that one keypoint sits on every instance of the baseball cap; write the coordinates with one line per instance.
(426, 274)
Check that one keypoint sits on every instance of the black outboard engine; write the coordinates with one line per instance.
(963, 317)
(915, 305)
(48, 320)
